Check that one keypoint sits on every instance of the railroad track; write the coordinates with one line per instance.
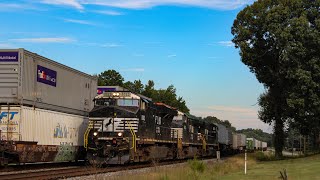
(75, 171)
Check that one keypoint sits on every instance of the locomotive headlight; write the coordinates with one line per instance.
(95, 133)
(120, 134)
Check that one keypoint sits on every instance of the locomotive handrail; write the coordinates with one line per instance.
(134, 137)
(86, 134)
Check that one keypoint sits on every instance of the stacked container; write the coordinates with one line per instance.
(44, 105)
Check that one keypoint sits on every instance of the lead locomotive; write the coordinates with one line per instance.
(126, 127)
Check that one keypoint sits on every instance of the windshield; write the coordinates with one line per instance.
(128, 102)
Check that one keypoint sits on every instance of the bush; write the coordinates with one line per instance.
(261, 156)
(196, 165)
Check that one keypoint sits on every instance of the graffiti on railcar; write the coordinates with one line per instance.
(60, 131)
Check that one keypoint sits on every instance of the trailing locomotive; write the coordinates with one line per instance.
(127, 127)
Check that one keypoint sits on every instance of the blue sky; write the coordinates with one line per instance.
(186, 43)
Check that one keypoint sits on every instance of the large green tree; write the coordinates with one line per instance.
(110, 78)
(279, 42)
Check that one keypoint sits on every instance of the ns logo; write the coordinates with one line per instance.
(6, 115)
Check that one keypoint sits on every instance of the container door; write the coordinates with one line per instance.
(9, 123)
(9, 75)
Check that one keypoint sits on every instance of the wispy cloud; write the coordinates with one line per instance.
(111, 45)
(172, 56)
(143, 4)
(103, 45)
(6, 45)
(71, 3)
(226, 43)
(44, 40)
(16, 6)
(78, 21)
(110, 13)
(133, 70)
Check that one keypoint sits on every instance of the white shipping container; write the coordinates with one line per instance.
(30, 79)
(257, 144)
(223, 134)
(235, 141)
(264, 145)
(22, 123)
(241, 140)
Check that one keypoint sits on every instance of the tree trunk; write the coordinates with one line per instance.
(278, 138)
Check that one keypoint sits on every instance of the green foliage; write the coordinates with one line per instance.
(261, 156)
(165, 177)
(110, 78)
(279, 41)
(197, 167)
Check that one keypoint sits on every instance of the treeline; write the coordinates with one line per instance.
(168, 96)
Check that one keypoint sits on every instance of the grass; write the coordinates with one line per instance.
(233, 168)
(298, 168)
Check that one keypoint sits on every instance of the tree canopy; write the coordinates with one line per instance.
(110, 78)
(168, 96)
(279, 41)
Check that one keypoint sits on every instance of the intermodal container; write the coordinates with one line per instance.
(27, 78)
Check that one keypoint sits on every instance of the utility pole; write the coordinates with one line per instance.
(304, 145)
(245, 161)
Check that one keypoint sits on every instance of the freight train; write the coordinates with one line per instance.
(126, 127)
(45, 109)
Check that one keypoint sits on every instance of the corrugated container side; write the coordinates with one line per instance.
(257, 144)
(230, 136)
(36, 80)
(264, 145)
(52, 128)
(71, 89)
(235, 141)
(241, 140)
(42, 126)
(10, 77)
(222, 134)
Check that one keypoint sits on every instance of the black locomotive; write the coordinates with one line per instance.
(126, 127)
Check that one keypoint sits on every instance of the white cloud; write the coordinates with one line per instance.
(172, 55)
(105, 45)
(143, 4)
(78, 21)
(110, 13)
(44, 40)
(226, 43)
(70, 3)
(15, 6)
(133, 70)
(111, 45)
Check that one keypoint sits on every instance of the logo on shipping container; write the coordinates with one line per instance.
(6, 115)
(102, 90)
(9, 56)
(46, 76)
